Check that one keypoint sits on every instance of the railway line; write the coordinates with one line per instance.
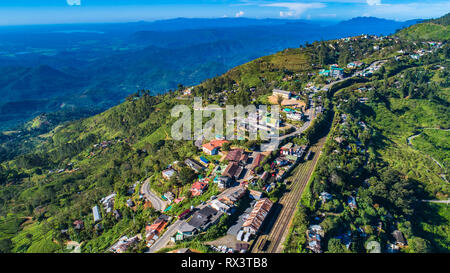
(272, 242)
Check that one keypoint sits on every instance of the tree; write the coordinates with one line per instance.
(226, 146)
(187, 175)
(419, 245)
(279, 99)
(335, 246)
(5, 246)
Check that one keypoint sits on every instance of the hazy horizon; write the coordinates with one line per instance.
(50, 12)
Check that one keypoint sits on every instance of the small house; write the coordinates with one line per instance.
(169, 173)
(283, 93)
(198, 188)
(97, 214)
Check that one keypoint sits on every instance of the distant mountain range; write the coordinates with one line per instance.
(48, 68)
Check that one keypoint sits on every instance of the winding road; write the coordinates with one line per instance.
(437, 201)
(172, 229)
(157, 203)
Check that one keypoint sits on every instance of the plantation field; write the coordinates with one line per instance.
(435, 143)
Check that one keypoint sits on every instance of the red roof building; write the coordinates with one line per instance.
(233, 170)
(257, 161)
(213, 146)
(198, 188)
(235, 155)
(157, 226)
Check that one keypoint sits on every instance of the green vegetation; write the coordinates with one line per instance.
(434, 143)
(436, 29)
(56, 174)
(367, 157)
(426, 31)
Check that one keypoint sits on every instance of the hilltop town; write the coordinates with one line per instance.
(336, 181)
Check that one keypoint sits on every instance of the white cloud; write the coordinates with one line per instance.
(295, 9)
(374, 2)
(240, 14)
(286, 13)
(74, 2)
(408, 11)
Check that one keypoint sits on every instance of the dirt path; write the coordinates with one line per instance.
(409, 141)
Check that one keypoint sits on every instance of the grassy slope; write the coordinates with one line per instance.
(268, 67)
(436, 143)
(402, 121)
(426, 31)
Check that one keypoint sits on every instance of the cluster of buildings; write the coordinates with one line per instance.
(355, 64)
(209, 215)
(68, 169)
(240, 248)
(125, 244)
(289, 156)
(335, 71)
(153, 231)
(108, 202)
(105, 144)
(237, 159)
(293, 114)
(314, 236)
(416, 54)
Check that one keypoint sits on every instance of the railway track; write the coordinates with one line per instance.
(289, 203)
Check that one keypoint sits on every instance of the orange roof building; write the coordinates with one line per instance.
(157, 226)
(212, 148)
(198, 187)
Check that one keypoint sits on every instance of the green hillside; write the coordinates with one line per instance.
(66, 170)
(437, 30)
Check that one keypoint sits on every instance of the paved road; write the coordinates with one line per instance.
(164, 239)
(157, 203)
(376, 63)
(288, 203)
(298, 131)
(172, 229)
(438, 201)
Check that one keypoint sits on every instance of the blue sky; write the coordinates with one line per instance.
(17, 12)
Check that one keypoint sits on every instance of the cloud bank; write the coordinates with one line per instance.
(74, 2)
(240, 14)
(374, 2)
(295, 9)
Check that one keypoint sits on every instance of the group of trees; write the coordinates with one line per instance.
(351, 167)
